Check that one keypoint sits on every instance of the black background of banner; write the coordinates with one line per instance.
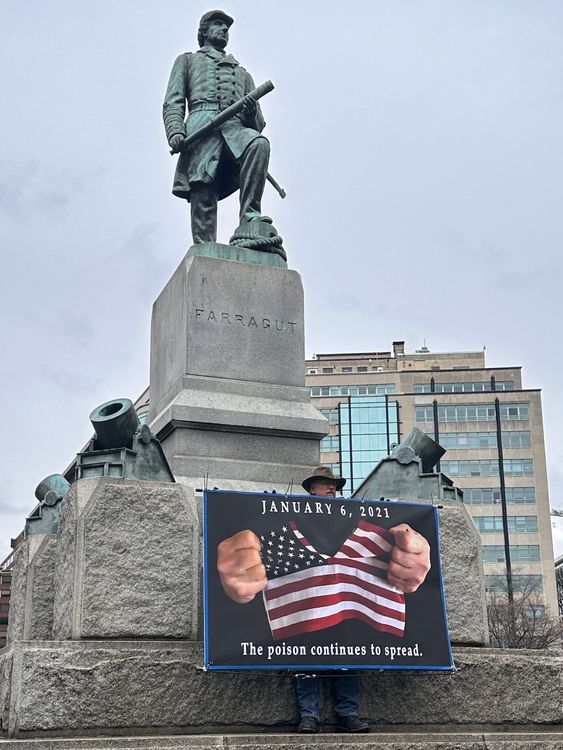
(229, 624)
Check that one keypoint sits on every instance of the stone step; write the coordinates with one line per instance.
(92, 688)
(447, 739)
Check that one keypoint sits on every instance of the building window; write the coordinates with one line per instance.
(516, 524)
(311, 372)
(331, 415)
(515, 467)
(491, 496)
(518, 552)
(477, 386)
(346, 369)
(535, 611)
(521, 582)
(328, 370)
(517, 439)
(477, 413)
(362, 369)
(477, 440)
(330, 444)
(367, 427)
(379, 389)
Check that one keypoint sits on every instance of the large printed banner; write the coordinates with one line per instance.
(327, 603)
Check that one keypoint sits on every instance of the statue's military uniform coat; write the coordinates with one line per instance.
(210, 81)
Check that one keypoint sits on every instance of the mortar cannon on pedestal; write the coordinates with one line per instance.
(408, 472)
(45, 517)
(122, 446)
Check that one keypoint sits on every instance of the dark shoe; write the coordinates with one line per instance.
(308, 725)
(351, 724)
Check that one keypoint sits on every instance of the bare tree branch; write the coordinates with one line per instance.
(524, 622)
(559, 583)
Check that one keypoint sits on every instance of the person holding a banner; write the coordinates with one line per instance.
(346, 686)
(243, 574)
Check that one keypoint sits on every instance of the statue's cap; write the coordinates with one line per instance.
(211, 15)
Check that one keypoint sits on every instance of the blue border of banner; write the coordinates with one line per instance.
(300, 667)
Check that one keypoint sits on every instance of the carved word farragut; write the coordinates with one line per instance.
(247, 321)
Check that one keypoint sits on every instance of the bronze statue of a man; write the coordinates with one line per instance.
(234, 155)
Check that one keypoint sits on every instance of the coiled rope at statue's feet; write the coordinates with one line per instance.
(258, 243)
(259, 234)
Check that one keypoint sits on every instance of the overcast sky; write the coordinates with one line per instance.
(420, 144)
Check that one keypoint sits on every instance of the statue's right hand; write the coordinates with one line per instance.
(240, 567)
(175, 143)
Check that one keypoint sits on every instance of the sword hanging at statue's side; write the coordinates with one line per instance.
(215, 121)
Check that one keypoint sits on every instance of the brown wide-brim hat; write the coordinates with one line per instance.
(211, 15)
(322, 472)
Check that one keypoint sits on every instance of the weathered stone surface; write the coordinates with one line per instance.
(446, 740)
(136, 685)
(64, 599)
(489, 687)
(237, 454)
(217, 403)
(462, 570)
(228, 395)
(245, 316)
(6, 662)
(39, 623)
(130, 561)
(31, 608)
(16, 621)
(149, 686)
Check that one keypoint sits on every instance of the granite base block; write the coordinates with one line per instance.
(33, 591)
(462, 571)
(143, 687)
(448, 739)
(128, 561)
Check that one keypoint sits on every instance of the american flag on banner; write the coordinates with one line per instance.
(310, 591)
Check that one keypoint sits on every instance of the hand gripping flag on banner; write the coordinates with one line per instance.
(310, 591)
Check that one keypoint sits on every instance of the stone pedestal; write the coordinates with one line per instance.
(128, 561)
(31, 602)
(143, 687)
(228, 396)
(462, 572)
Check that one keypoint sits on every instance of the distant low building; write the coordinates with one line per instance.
(5, 590)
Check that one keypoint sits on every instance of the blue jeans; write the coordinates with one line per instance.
(346, 690)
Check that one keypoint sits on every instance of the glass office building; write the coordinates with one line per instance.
(368, 428)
